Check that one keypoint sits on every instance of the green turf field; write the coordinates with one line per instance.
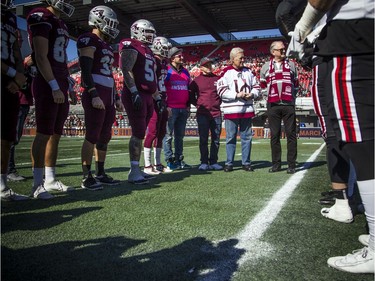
(185, 225)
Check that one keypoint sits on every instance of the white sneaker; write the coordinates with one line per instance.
(147, 176)
(10, 195)
(360, 261)
(57, 186)
(203, 167)
(41, 193)
(15, 177)
(150, 170)
(216, 167)
(135, 177)
(162, 169)
(340, 212)
(364, 239)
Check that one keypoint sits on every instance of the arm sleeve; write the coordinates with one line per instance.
(86, 67)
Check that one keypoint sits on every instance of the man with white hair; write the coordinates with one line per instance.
(237, 88)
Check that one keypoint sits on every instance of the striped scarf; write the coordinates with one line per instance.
(280, 82)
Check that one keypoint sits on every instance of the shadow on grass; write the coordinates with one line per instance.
(38, 221)
(77, 195)
(106, 259)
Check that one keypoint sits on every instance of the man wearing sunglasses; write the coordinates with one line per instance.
(278, 78)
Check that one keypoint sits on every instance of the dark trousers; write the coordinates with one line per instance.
(286, 113)
(24, 110)
(208, 125)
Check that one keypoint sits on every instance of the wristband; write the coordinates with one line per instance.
(11, 72)
(54, 85)
(308, 20)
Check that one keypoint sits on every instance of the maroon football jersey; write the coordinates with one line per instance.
(103, 55)
(161, 73)
(8, 37)
(41, 22)
(144, 67)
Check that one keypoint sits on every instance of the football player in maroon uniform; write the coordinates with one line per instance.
(12, 80)
(99, 98)
(49, 39)
(138, 66)
(158, 122)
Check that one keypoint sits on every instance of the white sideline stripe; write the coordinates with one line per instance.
(248, 238)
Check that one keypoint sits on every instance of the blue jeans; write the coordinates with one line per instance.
(175, 126)
(22, 114)
(205, 126)
(246, 135)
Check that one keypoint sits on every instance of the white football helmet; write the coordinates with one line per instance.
(160, 46)
(104, 19)
(63, 6)
(143, 30)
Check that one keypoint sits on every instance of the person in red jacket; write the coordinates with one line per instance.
(203, 94)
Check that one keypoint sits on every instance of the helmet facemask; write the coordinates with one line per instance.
(62, 6)
(104, 19)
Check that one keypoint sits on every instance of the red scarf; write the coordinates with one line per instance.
(280, 78)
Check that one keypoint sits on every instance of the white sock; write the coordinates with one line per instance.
(38, 176)
(147, 156)
(50, 174)
(3, 183)
(157, 155)
(367, 191)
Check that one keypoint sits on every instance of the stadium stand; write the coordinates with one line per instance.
(256, 51)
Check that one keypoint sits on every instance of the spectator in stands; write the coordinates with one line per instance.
(238, 88)
(99, 100)
(48, 35)
(176, 83)
(140, 90)
(25, 100)
(344, 64)
(12, 80)
(203, 94)
(280, 79)
(158, 122)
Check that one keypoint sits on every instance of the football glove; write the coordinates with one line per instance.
(161, 105)
(136, 101)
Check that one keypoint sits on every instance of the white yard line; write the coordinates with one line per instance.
(248, 239)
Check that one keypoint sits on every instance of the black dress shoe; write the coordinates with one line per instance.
(247, 168)
(274, 169)
(291, 170)
(228, 168)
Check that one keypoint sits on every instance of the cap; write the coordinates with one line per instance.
(204, 61)
(174, 51)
